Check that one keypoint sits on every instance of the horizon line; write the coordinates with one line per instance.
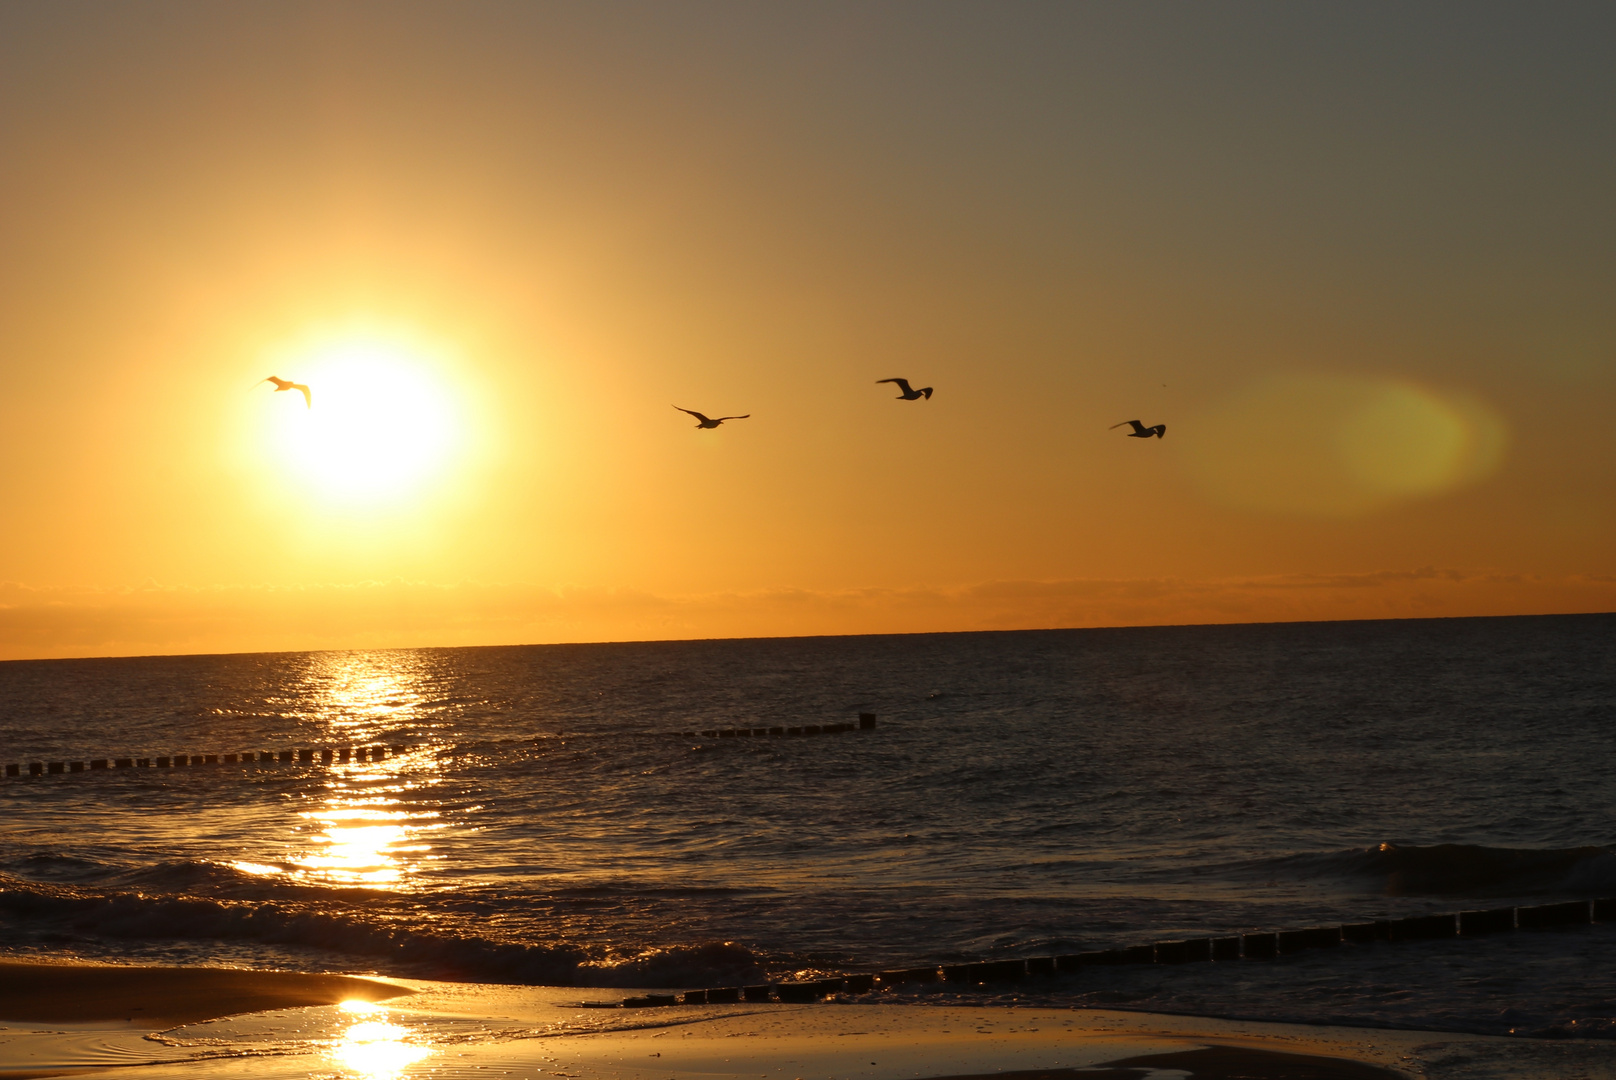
(813, 637)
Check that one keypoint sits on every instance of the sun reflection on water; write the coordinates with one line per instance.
(374, 1048)
(370, 825)
(373, 843)
(363, 694)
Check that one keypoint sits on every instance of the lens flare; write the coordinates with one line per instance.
(1342, 446)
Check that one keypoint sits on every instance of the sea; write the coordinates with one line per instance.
(558, 817)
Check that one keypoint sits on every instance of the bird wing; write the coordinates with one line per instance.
(1125, 423)
(308, 398)
(694, 413)
(903, 384)
(280, 384)
(721, 419)
(927, 391)
(1160, 430)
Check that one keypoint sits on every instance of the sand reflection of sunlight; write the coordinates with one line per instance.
(372, 1048)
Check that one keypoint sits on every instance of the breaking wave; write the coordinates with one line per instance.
(397, 944)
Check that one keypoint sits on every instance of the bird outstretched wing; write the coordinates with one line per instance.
(288, 384)
(721, 419)
(694, 413)
(1137, 426)
(903, 384)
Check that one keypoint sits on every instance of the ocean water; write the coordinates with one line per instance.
(1024, 794)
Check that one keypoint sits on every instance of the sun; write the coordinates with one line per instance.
(382, 423)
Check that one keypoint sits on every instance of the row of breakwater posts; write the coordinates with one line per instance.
(330, 755)
(347, 755)
(866, 722)
(1266, 945)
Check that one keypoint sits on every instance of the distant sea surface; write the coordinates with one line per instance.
(1023, 794)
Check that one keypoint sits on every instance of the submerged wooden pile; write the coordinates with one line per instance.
(1264, 945)
(328, 755)
(346, 755)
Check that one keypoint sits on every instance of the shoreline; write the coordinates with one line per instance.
(276, 1025)
(165, 997)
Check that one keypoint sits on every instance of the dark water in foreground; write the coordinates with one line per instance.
(1025, 794)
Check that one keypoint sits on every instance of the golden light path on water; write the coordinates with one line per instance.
(370, 827)
(363, 840)
(373, 1047)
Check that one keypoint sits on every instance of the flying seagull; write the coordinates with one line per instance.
(909, 393)
(288, 384)
(710, 422)
(1140, 431)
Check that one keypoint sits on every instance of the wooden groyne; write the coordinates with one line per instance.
(324, 755)
(348, 755)
(1265, 945)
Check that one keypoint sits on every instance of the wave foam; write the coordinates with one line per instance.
(388, 939)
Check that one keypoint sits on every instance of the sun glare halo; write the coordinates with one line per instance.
(383, 423)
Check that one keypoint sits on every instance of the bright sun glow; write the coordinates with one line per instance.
(383, 421)
(372, 1048)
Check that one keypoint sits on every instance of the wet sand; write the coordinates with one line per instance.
(359, 1029)
(1210, 1063)
(163, 997)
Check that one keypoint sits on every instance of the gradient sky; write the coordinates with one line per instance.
(1360, 259)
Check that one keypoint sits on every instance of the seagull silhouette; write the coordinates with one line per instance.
(909, 393)
(710, 422)
(288, 384)
(1140, 431)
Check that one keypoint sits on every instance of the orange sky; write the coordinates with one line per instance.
(1359, 260)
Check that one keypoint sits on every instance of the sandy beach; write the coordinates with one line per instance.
(58, 1020)
(167, 997)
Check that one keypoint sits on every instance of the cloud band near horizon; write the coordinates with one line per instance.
(45, 623)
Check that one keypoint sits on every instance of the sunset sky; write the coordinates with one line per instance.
(1360, 259)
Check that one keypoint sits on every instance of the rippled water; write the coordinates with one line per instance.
(1024, 793)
